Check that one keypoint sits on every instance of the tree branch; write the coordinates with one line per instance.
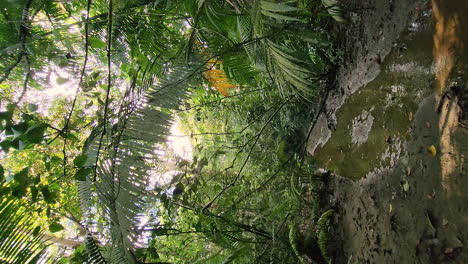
(80, 85)
(109, 83)
(24, 30)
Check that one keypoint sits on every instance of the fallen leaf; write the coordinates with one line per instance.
(432, 150)
(408, 171)
(430, 196)
(410, 117)
(427, 124)
(406, 186)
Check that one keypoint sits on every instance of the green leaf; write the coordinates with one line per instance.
(56, 160)
(277, 7)
(61, 80)
(2, 172)
(55, 227)
(163, 197)
(54, 186)
(36, 231)
(4, 191)
(27, 117)
(334, 9)
(97, 43)
(45, 192)
(34, 193)
(282, 155)
(278, 16)
(165, 200)
(100, 101)
(32, 107)
(18, 191)
(80, 160)
(5, 115)
(82, 173)
(72, 137)
(19, 129)
(22, 176)
(153, 253)
(56, 34)
(5, 145)
(35, 133)
(183, 163)
(11, 108)
(17, 144)
(37, 180)
(179, 189)
(49, 197)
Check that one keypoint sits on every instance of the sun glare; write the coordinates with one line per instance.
(179, 143)
(61, 84)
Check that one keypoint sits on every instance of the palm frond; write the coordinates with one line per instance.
(95, 255)
(20, 241)
(238, 68)
(334, 9)
(278, 10)
(257, 20)
(287, 71)
(122, 169)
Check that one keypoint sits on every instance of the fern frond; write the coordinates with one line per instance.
(293, 242)
(323, 236)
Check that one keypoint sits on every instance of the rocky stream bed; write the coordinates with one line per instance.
(394, 134)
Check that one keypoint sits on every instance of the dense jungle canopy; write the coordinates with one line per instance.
(90, 92)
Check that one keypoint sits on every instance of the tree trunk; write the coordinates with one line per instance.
(62, 241)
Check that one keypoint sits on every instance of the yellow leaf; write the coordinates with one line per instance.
(218, 79)
(213, 62)
(432, 150)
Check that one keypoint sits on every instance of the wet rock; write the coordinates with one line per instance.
(361, 126)
(320, 134)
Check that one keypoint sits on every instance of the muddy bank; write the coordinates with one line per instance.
(395, 132)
